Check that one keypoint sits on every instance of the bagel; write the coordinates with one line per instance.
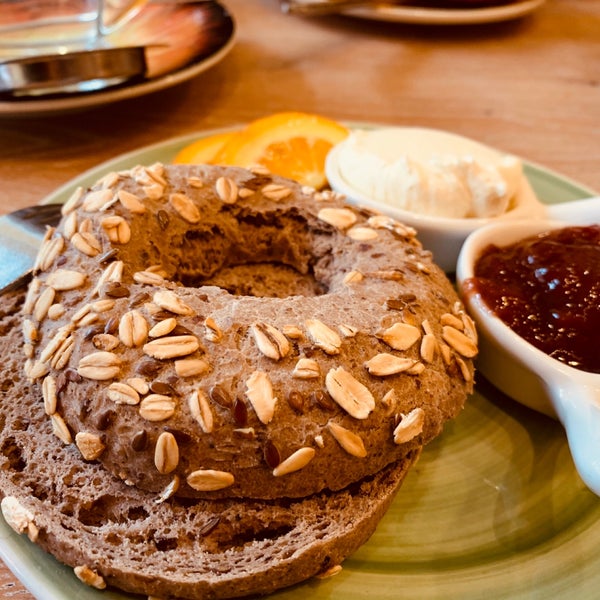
(216, 332)
(115, 535)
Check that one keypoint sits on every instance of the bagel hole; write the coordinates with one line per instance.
(269, 255)
(276, 254)
(265, 279)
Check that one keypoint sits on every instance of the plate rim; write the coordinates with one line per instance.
(440, 16)
(174, 143)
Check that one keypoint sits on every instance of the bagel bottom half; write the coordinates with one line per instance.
(116, 535)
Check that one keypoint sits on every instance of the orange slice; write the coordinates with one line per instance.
(203, 150)
(291, 144)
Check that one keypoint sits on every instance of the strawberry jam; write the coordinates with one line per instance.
(547, 289)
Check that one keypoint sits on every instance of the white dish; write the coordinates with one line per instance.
(494, 508)
(518, 368)
(165, 77)
(450, 16)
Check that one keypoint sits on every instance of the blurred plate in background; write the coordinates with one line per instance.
(183, 40)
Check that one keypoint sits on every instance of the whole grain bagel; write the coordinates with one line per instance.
(115, 535)
(206, 331)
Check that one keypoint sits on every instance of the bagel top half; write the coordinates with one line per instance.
(208, 332)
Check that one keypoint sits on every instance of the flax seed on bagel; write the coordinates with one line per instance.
(206, 331)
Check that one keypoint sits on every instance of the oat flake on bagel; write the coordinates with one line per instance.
(211, 331)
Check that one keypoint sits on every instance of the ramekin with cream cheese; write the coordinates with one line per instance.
(429, 172)
(442, 184)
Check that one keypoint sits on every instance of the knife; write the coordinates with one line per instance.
(21, 233)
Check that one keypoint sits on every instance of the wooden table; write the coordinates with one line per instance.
(531, 87)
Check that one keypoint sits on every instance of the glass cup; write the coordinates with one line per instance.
(34, 27)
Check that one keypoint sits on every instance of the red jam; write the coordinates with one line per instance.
(547, 289)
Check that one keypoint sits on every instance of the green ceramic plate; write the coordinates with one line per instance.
(494, 508)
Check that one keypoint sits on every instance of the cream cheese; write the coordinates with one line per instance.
(429, 172)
